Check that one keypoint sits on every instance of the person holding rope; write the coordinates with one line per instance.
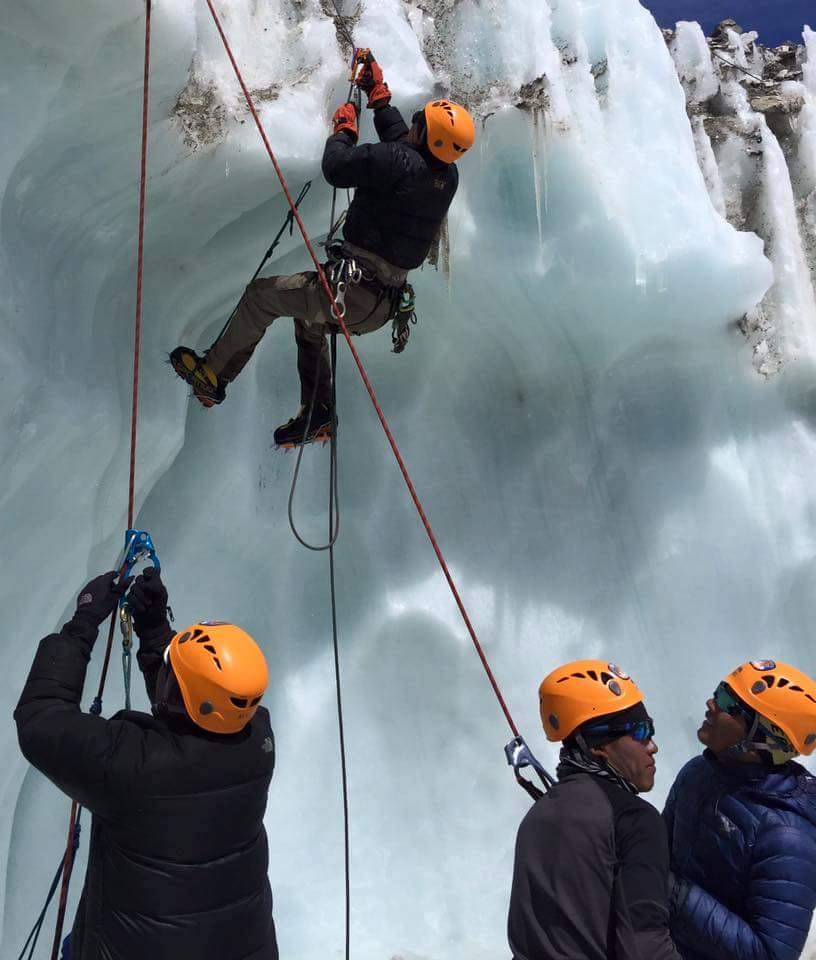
(404, 187)
(591, 872)
(178, 857)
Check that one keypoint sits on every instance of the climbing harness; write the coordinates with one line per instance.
(343, 270)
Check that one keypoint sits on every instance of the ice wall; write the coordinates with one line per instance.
(752, 110)
(606, 472)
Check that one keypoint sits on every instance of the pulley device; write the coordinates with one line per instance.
(138, 548)
(519, 755)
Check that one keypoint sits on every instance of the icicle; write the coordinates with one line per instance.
(537, 160)
(692, 59)
(807, 119)
(708, 164)
(809, 66)
(792, 294)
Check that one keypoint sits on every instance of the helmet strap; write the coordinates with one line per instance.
(768, 756)
(167, 703)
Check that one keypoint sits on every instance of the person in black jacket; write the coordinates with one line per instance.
(177, 865)
(404, 187)
(590, 879)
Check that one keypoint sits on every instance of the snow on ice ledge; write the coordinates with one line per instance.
(605, 471)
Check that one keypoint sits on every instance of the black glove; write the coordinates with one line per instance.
(99, 599)
(148, 601)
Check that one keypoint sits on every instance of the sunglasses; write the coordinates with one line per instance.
(641, 730)
(727, 702)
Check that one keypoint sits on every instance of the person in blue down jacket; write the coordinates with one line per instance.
(742, 821)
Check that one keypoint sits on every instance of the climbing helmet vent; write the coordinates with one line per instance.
(222, 675)
(449, 128)
(242, 702)
(584, 690)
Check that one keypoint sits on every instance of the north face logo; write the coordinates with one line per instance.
(439, 184)
(267, 746)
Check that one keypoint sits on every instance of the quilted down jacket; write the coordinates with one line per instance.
(178, 858)
(742, 844)
(403, 192)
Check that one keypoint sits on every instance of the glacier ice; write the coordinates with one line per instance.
(607, 472)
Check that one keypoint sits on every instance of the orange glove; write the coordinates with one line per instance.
(345, 118)
(370, 80)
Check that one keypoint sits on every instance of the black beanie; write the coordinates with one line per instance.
(630, 715)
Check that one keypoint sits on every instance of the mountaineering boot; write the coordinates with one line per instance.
(208, 389)
(291, 433)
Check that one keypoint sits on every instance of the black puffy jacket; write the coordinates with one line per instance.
(178, 856)
(403, 192)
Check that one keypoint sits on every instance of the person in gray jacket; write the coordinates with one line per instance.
(590, 880)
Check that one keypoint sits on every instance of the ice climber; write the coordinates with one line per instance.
(404, 187)
(590, 879)
(742, 821)
(177, 865)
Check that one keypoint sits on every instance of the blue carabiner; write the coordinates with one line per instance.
(138, 547)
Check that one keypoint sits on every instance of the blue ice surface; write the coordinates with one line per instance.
(776, 21)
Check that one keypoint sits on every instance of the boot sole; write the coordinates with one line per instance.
(322, 437)
(188, 369)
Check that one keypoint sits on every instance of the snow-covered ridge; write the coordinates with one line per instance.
(753, 112)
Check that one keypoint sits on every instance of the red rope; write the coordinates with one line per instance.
(68, 863)
(139, 267)
(67, 870)
(366, 381)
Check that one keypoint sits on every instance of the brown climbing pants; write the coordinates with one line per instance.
(302, 297)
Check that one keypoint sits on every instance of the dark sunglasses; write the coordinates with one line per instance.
(727, 702)
(641, 730)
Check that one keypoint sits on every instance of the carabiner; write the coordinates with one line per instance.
(126, 626)
(340, 298)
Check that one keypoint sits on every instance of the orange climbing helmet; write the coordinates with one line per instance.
(450, 130)
(781, 695)
(221, 673)
(583, 690)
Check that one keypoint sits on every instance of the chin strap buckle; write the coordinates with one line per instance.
(519, 755)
